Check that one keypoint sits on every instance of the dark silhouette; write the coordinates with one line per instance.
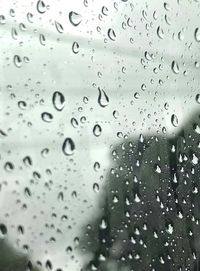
(149, 210)
(13, 260)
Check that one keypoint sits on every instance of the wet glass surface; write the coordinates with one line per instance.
(99, 135)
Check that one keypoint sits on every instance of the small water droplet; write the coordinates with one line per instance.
(104, 11)
(97, 130)
(160, 32)
(30, 17)
(2, 19)
(42, 39)
(58, 100)
(3, 231)
(41, 7)
(174, 120)
(96, 187)
(45, 152)
(74, 122)
(14, 33)
(175, 67)
(47, 117)
(27, 192)
(17, 61)
(115, 114)
(97, 166)
(197, 34)
(75, 47)
(27, 161)
(68, 146)
(103, 99)
(197, 98)
(9, 166)
(111, 34)
(75, 18)
(22, 105)
(59, 27)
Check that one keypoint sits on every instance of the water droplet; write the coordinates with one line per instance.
(30, 17)
(175, 67)
(174, 120)
(47, 117)
(97, 130)
(75, 18)
(17, 61)
(2, 19)
(104, 11)
(197, 98)
(160, 32)
(14, 33)
(45, 152)
(22, 105)
(96, 187)
(59, 27)
(97, 166)
(75, 47)
(103, 224)
(111, 34)
(9, 166)
(41, 7)
(115, 114)
(157, 168)
(74, 122)
(58, 100)
(42, 39)
(103, 99)
(68, 146)
(27, 161)
(197, 34)
(3, 230)
(27, 192)
(60, 196)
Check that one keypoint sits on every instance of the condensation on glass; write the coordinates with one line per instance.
(99, 135)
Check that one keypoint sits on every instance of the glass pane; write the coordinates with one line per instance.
(99, 135)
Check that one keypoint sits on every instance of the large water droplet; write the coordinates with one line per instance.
(75, 47)
(22, 105)
(17, 61)
(97, 130)
(68, 146)
(58, 100)
(59, 27)
(111, 34)
(47, 117)
(103, 99)
(175, 67)
(41, 7)
(27, 161)
(197, 34)
(3, 230)
(174, 120)
(9, 166)
(75, 18)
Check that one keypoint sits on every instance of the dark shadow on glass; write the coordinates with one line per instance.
(149, 209)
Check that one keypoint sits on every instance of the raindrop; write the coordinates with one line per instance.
(14, 33)
(59, 27)
(160, 32)
(74, 122)
(68, 146)
(197, 98)
(97, 130)
(27, 192)
(174, 120)
(104, 11)
(103, 99)
(75, 18)
(58, 100)
(175, 67)
(96, 187)
(41, 7)
(2, 19)
(3, 230)
(157, 168)
(47, 117)
(30, 17)
(75, 47)
(9, 166)
(22, 105)
(111, 34)
(27, 161)
(45, 152)
(60, 196)
(42, 39)
(115, 114)
(17, 61)
(97, 166)
(197, 34)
